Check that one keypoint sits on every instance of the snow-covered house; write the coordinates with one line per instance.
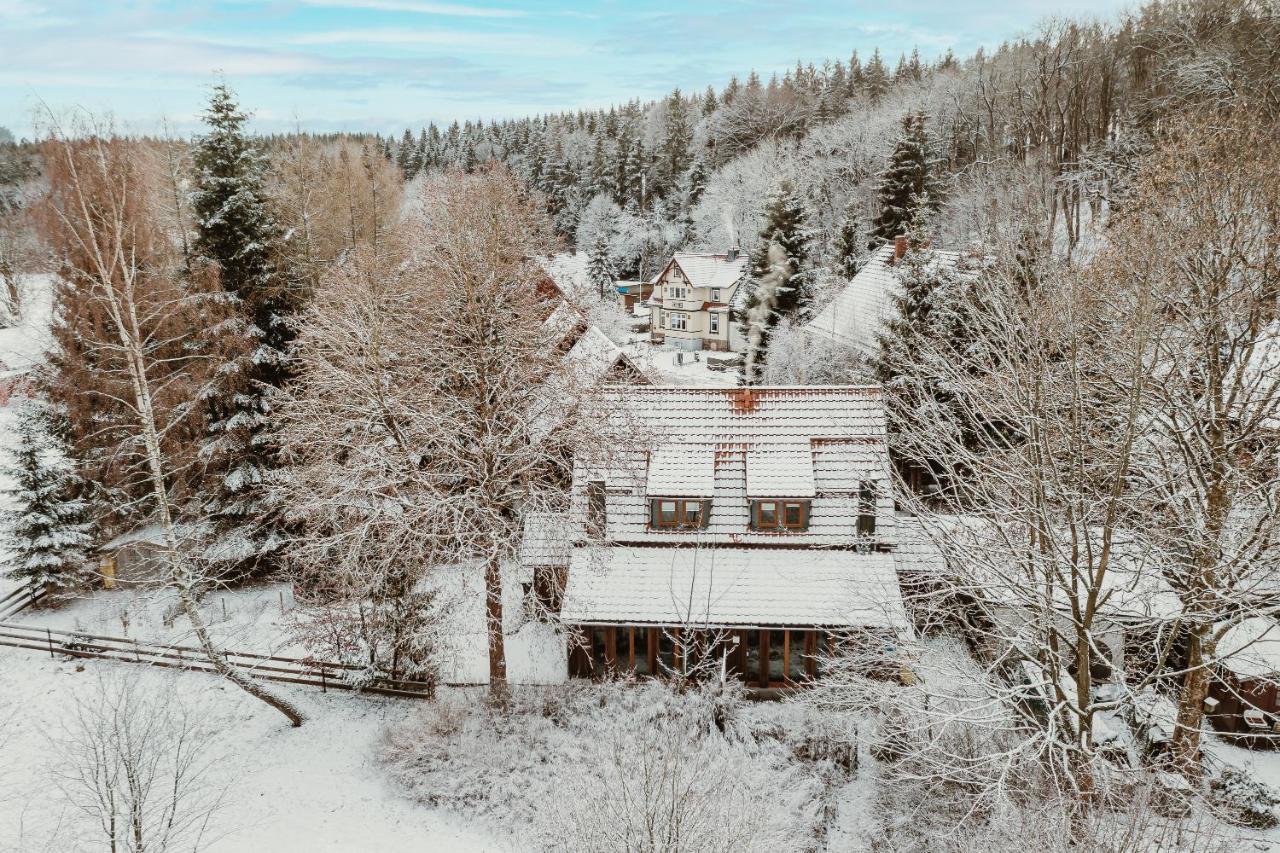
(858, 314)
(1244, 694)
(747, 524)
(694, 299)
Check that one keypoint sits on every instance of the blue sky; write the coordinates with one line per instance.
(384, 64)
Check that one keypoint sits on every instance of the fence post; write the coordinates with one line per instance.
(137, 656)
(324, 686)
(49, 636)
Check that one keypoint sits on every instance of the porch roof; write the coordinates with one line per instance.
(733, 587)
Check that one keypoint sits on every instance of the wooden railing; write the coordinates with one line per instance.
(289, 670)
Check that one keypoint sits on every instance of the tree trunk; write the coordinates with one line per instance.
(499, 692)
(227, 671)
(1185, 747)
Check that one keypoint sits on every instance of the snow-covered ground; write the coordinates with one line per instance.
(23, 346)
(318, 788)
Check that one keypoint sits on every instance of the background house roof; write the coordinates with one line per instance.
(710, 270)
(859, 312)
(722, 587)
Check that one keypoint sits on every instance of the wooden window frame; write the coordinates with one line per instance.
(780, 514)
(681, 513)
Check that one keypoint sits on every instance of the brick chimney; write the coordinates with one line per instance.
(732, 254)
(899, 247)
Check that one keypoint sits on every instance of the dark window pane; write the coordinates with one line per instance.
(794, 515)
(692, 512)
(667, 513)
(640, 648)
(598, 638)
(798, 656)
(666, 651)
(775, 657)
(767, 514)
(752, 639)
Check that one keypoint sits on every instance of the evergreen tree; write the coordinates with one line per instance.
(776, 284)
(850, 241)
(405, 158)
(599, 263)
(236, 232)
(48, 523)
(697, 183)
(907, 182)
(677, 136)
(709, 101)
(875, 78)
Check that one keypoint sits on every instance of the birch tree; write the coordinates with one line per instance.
(96, 204)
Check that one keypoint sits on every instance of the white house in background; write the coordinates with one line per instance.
(859, 313)
(694, 299)
(743, 525)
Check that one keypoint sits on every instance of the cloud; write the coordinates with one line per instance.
(420, 8)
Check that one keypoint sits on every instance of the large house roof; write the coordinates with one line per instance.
(760, 415)
(723, 587)
(860, 311)
(732, 445)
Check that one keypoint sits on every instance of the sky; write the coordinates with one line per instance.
(382, 65)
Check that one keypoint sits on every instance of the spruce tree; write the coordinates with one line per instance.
(47, 524)
(599, 263)
(776, 285)
(907, 182)
(237, 233)
(875, 78)
(677, 136)
(850, 241)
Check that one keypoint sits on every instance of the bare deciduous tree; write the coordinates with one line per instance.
(136, 763)
(428, 381)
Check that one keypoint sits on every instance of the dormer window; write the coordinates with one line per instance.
(715, 294)
(679, 513)
(779, 515)
(867, 510)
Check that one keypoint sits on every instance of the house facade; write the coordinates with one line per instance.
(735, 529)
(694, 298)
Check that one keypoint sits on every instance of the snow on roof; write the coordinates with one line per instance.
(1251, 649)
(784, 471)
(1134, 585)
(757, 414)
(548, 539)
(915, 551)
(704, 269)
(859, 312)
(682, 470)
(724, 587)
(825, 443)
(593, 355)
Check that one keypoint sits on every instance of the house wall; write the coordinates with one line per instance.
(1235, 695)
(697, 333)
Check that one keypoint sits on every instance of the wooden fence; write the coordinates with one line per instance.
(289, 670)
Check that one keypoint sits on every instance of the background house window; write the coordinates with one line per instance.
(715, 324)
(780, 515)
(678, 322)
(715, 294)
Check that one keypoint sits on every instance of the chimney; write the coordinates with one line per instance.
(732, 254)
(899, 247)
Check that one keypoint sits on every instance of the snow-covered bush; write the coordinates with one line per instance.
(1243, 799)
(620, 767)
